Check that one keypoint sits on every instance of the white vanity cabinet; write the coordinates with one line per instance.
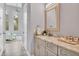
(42, 51)
(44, 48)
(53, 47)
(49, 53)
(39, 47)
(65, 52)
(36, 48)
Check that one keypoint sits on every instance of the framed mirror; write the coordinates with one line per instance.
(52, 17)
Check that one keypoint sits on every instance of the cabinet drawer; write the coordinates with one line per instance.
(65, 52)
(49, 53)
(42, 42)
(52, 47)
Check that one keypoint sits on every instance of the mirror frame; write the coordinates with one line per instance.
(57, 9)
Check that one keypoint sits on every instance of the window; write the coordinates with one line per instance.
(15, 23)
(6, 23)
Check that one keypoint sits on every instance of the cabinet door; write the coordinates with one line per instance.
(42, 51)
(36, 47)
(52, 47)
(37, 50)
(49, 53)
(41, 46)
(66, 52)
(42, 42)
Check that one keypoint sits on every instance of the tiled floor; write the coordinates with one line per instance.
(14, 48)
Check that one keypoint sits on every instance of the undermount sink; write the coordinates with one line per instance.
(68, 41)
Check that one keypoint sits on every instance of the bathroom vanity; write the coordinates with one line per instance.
(54, 45)
(51, 46)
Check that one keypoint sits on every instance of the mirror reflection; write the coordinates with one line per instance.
(52, 16)
(51, 19)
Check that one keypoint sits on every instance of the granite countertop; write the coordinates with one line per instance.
(54, 40)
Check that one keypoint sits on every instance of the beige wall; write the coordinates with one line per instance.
(69, 19)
